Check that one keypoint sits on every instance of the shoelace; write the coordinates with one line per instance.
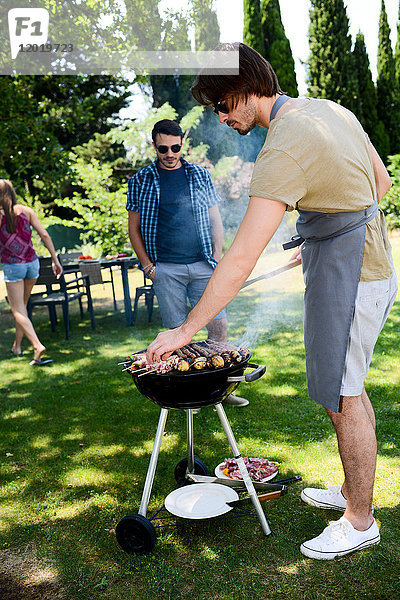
(336, 531)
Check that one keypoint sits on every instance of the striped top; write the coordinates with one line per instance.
(16, 247)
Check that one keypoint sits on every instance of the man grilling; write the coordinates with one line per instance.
(176, 231)
(318, 160)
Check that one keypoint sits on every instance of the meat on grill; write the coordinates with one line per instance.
(191, 357)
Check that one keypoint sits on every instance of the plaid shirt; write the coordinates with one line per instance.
(144, 197)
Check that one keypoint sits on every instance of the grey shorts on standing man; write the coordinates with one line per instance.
(373, 303)
(174, 284)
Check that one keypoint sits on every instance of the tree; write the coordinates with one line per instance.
(277, 48)
(98, 201)
(368, 113)
(175, 89)
(331, 69)
(397, 53)
(387, 89)
(30, 153)
(252, 28)
(390, 203)
(206, 28)
(44, 116)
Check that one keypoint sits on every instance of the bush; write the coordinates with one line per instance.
(391, 202)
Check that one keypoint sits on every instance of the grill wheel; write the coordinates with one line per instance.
(136, 534)
(180, 470)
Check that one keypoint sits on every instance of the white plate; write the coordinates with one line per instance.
(200, 500)
(219, 473)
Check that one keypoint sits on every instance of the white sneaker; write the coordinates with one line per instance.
(340, 538)
(332, 498)
(233, 400)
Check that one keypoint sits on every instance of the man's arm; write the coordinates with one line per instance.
(217, 232)
(259, 224)
(135, 236)
(382, 178)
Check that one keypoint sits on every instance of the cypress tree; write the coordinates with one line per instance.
(368, 113)
(252, 29)
(331, 69)
(206, 33)
(388, 98)
(175, 89)
(277, 46)
(397, 54)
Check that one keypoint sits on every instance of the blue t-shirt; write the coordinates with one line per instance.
(177, 239)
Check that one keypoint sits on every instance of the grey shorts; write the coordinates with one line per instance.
(174, 284)
(373, 303)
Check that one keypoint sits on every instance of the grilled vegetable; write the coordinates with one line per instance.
(227, 358)
(199, 363)
(183, 365)
(236, 356)
(244, 352)
(217, 361)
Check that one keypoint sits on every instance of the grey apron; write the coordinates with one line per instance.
(332, 257)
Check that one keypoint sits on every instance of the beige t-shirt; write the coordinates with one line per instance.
(316, 157)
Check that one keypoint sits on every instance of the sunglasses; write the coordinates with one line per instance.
(221, 107)
(175, 148)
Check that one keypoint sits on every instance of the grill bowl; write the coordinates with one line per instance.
(191, 389)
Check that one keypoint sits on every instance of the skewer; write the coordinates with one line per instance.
(147, 372)
(133, 370)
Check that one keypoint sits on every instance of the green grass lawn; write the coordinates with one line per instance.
(75, 441)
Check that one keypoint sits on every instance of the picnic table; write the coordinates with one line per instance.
(123, 263)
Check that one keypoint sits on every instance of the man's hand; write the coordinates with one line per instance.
(165, 343)
(297, 254)
(152, 275)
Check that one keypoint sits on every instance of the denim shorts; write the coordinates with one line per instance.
(373, 304)
(20, 271)
(174, 284)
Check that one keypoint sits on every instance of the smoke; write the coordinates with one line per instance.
(274, 303)
(266, 306)
(272, 312)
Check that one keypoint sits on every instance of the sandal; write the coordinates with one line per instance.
(39, 363)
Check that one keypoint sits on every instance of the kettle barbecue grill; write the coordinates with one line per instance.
(136, 533)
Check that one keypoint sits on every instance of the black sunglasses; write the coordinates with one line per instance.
(164, 149)
(221, 107)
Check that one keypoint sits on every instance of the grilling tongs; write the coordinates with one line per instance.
(275, 490)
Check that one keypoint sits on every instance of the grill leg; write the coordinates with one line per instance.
(148, 484)
(242, 467)
(189, 420)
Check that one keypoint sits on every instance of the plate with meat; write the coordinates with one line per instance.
(260, 469)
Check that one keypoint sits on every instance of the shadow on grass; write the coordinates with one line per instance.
(76, 440)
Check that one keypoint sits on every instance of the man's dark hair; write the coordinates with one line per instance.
(256, 76)
(167, 127)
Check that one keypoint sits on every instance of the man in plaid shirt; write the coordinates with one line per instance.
(176, 230)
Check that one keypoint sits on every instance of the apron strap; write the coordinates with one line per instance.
(277, 104)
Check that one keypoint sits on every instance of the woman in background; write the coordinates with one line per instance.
(21, 265)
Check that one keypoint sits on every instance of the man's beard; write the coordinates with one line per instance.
(249, 118)
(170, 165)
(247, 129)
